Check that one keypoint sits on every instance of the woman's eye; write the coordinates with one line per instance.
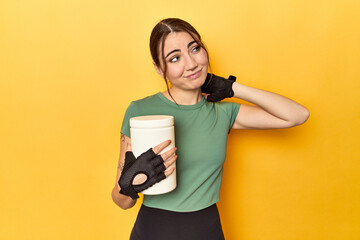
(174, 59)
(196, 49)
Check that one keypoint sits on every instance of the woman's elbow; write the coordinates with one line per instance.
(122, 203)
(119, 204)
(301, 117)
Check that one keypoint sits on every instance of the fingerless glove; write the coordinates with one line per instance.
(148, 163)
(218, 87)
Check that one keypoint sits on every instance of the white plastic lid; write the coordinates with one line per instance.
(152, 121)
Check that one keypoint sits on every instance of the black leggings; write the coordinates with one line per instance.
(159, 224)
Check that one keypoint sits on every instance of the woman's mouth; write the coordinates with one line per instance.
(194, 75)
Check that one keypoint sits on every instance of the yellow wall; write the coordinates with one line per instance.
(69, 69)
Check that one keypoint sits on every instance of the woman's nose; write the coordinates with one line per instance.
(191, 64)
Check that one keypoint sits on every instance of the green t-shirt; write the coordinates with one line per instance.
(200, 137)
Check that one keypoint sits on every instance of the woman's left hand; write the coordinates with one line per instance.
(218, 87)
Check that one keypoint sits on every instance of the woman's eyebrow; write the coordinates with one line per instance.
(175, 50)
(178, 50)
(191, 43)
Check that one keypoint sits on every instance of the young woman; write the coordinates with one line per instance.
(202, 123)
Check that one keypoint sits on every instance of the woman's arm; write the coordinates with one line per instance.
(169, 157)
(121, 200)
(271, 110)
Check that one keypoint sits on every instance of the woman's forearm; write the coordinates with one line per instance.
(121, 200)
(275, 104)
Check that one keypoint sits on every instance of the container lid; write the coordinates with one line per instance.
(152, 121)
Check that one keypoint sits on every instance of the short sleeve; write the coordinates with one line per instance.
(234, 112)
(231, 109)
(130, 112)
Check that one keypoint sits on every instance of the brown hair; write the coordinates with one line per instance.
(159, 34)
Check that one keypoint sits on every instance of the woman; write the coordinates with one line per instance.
(202, 123)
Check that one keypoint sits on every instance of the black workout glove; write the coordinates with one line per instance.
(218, 87)
(148, 163)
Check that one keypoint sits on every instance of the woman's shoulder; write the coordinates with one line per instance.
(226, 104)
(230, 108)
(145, 101)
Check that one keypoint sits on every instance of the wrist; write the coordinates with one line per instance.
(244, 92)
(236, 87)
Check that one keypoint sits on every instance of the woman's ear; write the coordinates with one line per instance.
(158, 70)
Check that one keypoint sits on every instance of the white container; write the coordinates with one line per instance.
(147, 132)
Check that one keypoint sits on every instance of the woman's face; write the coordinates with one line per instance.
(187, 62)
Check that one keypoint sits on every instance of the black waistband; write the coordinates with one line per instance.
(158, 224)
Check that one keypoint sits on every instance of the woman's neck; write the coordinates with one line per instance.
(183, 97)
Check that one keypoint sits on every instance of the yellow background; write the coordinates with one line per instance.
(69, 69)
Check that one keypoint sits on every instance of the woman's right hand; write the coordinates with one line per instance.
(149, 168)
